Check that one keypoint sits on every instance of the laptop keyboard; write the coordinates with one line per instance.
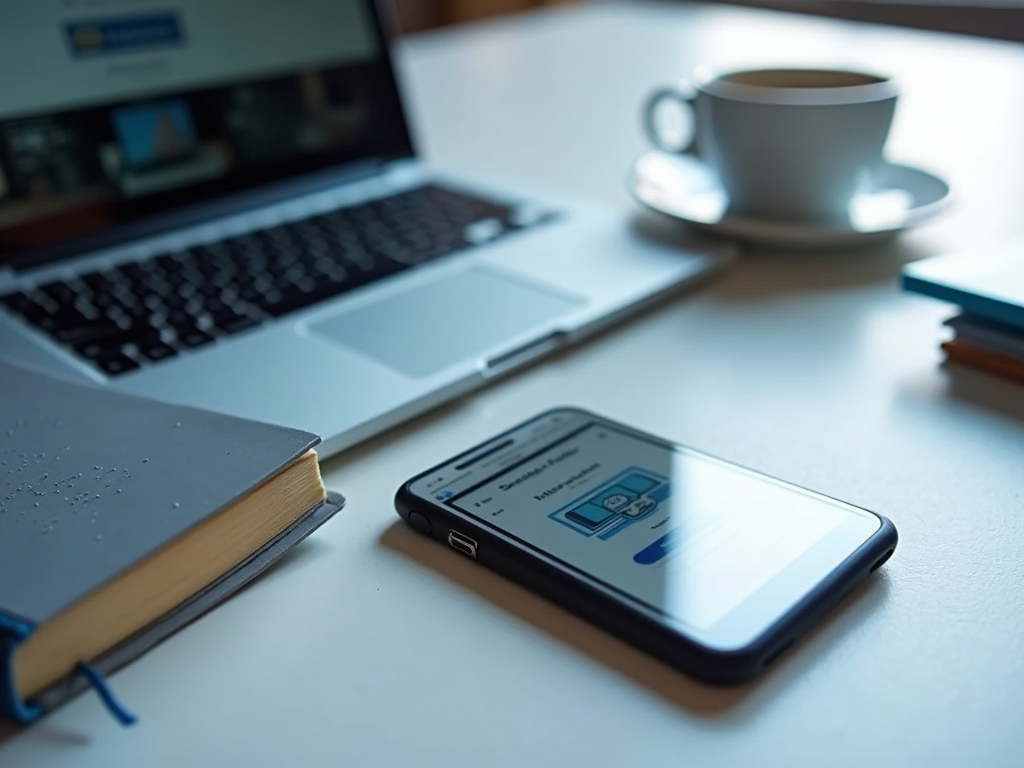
(144, 312)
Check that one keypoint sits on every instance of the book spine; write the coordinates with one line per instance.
(1000, 310)
(13, 633)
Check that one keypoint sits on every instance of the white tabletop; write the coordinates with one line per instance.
(372, 645)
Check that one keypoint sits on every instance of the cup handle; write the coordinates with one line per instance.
(683, 94)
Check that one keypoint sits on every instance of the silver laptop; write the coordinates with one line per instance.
(229, 213)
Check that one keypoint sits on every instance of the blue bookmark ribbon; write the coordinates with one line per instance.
(102, 688)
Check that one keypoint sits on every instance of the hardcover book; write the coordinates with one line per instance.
(988, 284)
(122, 519)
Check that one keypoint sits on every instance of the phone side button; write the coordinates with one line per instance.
(462, 543)
(420, 522)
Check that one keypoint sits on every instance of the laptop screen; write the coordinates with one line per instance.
(113, 110)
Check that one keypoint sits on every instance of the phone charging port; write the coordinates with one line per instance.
(462, 543)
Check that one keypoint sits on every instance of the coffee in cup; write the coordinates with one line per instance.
(787, 144)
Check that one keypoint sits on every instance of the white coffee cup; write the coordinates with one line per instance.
(787, 144)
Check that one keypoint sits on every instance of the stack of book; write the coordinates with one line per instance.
(989, 289)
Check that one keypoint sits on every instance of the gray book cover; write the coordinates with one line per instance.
(93, 481)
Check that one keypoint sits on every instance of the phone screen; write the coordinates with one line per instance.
(718, 549)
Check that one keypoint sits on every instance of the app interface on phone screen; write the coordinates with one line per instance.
(684, 534)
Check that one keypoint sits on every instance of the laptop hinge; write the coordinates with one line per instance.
(406, 170)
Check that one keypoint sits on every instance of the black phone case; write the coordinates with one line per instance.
(632, 622)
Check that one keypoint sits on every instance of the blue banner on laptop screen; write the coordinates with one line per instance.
(124, 34)
(154, 133)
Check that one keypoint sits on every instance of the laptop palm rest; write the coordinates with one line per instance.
(428, 328)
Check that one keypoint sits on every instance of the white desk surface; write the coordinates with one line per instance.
(371, 645)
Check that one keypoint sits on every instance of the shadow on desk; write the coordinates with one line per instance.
(775, 272)
(7, 730)
(44, 731)
(696, 698)
(985, 391)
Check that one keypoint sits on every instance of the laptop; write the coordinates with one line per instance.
(229, 213)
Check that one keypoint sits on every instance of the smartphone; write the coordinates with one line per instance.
(713, 568)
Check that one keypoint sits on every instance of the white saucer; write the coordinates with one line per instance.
(685, 187)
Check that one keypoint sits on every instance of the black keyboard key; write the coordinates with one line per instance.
(360, 258)
(169, 263)
(60, 292)
(98, 282)
(20, 303)
(180, 318)
(116, 364)
(130, 274)
(156, 351)
(141, 332)
(174, 302)
(112, 336)
(193, 338)
(252, 294)
(230, 323)
(295, 300)
(85, 332)
(126, 316)
(157, 286)
(92, 350)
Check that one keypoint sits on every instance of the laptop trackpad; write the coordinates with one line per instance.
(432, 326)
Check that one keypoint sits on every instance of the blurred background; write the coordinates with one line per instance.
(415, 15)
(988, 18)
